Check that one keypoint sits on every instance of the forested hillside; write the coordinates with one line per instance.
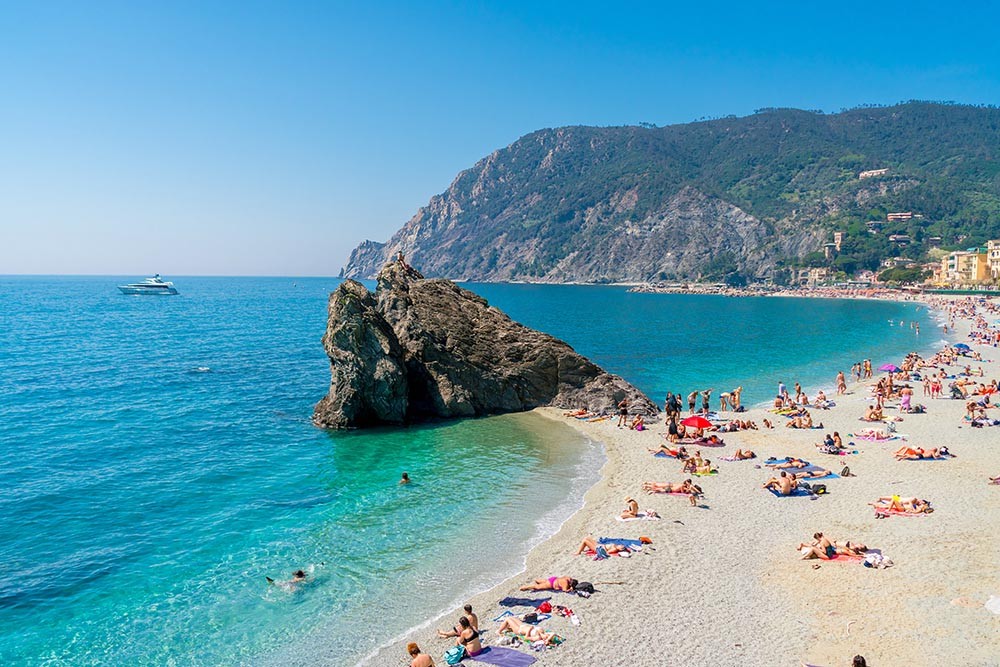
(731, 198)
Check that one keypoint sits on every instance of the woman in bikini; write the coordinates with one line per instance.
(418, 659)
(469, 638)
(551, 584)
(531, 633)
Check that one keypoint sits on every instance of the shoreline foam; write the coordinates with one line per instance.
(727, 587)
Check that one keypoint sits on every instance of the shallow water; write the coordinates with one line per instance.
(157, 461)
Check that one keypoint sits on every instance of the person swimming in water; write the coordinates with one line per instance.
(298, 577)
(405, 479)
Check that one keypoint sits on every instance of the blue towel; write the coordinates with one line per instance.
(624, 541)
(795, 492)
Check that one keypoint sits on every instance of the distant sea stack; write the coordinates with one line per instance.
(724, 200)
(418, 350)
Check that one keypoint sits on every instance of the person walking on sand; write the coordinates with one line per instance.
(841, 383)
(622, 412)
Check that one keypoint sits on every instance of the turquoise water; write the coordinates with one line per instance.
(157, 461)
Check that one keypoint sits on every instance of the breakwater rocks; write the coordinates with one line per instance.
(418, 349)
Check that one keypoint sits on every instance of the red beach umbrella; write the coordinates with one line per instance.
(696, 421)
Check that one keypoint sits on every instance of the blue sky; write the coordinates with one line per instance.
(269, 138)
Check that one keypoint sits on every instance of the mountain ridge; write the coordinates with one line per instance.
(726, 197)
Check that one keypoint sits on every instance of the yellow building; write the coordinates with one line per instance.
(966, 267)
(993, 257)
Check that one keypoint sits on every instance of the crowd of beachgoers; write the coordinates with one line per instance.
(843, 451)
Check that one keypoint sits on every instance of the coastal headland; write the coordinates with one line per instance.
(723, 583)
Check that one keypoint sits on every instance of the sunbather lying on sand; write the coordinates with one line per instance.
(676, 452)
(686, 487)
(907, 505)
(811, 474)
(871, 434)
(551, 584)
(784, 484)
(790, 463)
(532, 633)
(915, 454)
(995, 480)
(742, 455)
(590, 543)
(825, 548)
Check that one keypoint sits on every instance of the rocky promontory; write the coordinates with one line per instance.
(419, 349)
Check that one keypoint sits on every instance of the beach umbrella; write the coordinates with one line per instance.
(890, 368)
(961, 346)
(696, 421)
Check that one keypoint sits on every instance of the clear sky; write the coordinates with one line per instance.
(269, 138)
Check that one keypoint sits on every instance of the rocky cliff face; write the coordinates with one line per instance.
(631, 204)
(422, 349)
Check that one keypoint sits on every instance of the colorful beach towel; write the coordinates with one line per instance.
(888, 512)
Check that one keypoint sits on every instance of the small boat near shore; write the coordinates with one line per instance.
(155, 286)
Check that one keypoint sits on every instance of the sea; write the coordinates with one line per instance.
(157, 460)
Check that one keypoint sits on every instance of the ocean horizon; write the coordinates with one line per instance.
(159, 462)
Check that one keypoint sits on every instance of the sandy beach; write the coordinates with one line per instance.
(723, 584)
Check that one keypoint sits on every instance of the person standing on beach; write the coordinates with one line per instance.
(692, 399)
(841, 383)
(868, 368)
(622, 412)
(705, 408)
(734, 398)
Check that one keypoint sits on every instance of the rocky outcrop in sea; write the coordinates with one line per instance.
(419, 349)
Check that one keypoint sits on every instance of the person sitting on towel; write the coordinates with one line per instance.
(631, 510)
(468, 638)
(783, 484)
(820, 547)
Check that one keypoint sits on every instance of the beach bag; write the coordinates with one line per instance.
(818, 489)
(545, 607)
(530, 617)
(454, 655)
(584, 587)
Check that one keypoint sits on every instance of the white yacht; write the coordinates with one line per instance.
(154, 285)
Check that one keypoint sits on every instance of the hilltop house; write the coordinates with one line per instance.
(872, 173)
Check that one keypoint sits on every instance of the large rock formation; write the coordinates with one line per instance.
(421, 349)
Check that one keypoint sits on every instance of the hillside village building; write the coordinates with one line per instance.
(965, 267)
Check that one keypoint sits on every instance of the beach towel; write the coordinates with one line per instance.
(888, 512)
(703, 474)
(795, 493)
(538, 617)
(504, 657)
(944, 457)
(624, 541)
(643, 516)
(510, 601)
(664, 455)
